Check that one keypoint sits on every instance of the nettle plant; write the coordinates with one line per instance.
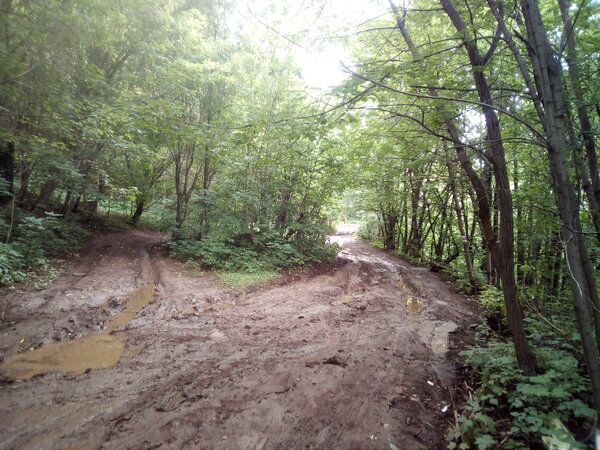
(510, 410)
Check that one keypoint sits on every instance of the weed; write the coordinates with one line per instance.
(257, 252)
(520, 411)
(34, 241)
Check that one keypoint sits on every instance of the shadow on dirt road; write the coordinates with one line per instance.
(354, 357)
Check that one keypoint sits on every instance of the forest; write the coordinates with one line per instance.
(461, 135)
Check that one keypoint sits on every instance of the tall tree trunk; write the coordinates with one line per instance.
(503, 249)
(552, 115)
(186, 178)
(7, 172)
(46, 194)
(500, 253)
(390, 221)
(139, 210)
(205, 186)
(590, 176)
(414, 242)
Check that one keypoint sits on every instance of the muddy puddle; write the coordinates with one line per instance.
(140, 298)
(414, 305)
(94, 351)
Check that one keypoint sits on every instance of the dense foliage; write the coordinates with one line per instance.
(166, 109)
(464, 138)
(519, 411)
(34, 241)
(477, 157)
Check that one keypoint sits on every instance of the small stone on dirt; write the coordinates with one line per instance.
(335, 361)
(217, 335)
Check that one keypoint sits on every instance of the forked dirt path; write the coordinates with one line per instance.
(354, 357)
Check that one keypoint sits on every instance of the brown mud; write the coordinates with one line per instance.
(129, 350)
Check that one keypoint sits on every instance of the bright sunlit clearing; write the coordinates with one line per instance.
(318, 32)
(323, 68)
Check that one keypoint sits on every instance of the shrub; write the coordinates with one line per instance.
(34, 240)
(520, 411)
(258, 251)
(12, 264)
(369, 229)
(492, 301)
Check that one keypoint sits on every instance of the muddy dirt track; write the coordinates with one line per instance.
(359, 355)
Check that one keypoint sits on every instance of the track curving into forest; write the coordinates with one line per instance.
(358, 355)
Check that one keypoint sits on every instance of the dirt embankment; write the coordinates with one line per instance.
(356, 357)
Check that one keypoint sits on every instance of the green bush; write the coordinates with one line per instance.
(369, 229)
(12, 267)
(310, 243)
(258, 251)
(492, 300)
(520, 411)
(34, 240)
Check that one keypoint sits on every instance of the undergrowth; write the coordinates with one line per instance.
(257, 252)
(28, 246)
(511, 411)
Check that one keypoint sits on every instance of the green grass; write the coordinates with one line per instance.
(244, 278)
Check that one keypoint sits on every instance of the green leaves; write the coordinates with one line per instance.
(523, 411)
(34, 241)
(256, 252)
(485, 441)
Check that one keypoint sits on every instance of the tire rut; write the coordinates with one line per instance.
(328, 360)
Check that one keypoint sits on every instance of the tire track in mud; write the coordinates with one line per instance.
(81, 301)
(335, 359)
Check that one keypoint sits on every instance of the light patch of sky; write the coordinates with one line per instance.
(323, 65)
(317, 30)
(475, 125)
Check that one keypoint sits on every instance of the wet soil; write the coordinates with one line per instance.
(357, 355)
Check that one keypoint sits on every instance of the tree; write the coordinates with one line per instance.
(548, 98)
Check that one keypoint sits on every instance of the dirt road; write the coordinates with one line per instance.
(355, 356)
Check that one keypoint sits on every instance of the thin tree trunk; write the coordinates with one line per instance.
(414, 244)
(461, 228)
(139, 210)
(25, 176)
(205, 186)
(7, 172)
